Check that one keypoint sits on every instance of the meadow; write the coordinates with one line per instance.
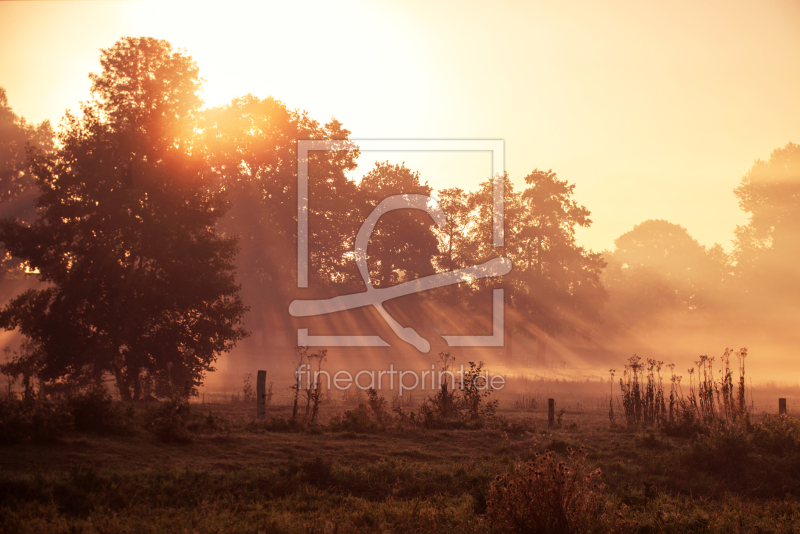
(89, 464)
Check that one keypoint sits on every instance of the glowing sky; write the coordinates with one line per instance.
(653, 110)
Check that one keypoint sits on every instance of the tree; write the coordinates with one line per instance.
(453, 237)
(252, 147)
(19, 141)
(766, 249)
(694, 273)
(138, 279)
(556, 283)
(554, 287)
(403, 244)
(18, 138)
(252, 144)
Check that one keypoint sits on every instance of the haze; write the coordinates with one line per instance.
(653, 112)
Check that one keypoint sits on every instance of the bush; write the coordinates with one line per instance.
(726, 451)
(777, 434)
(355, 420)
(39, 420)
(168, 420)
(550, 497)
(94, 410)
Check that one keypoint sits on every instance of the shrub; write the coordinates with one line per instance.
(248, 393)
(377, 404)
(355, 420)
(94, 410)
(724, 452)
(777, 434)
(36, 419)
(551, 497)
(168, 420)
(449, 409)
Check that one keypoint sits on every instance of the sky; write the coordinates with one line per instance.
(653, 110)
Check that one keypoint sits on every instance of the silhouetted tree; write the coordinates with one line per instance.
(403, 244)
(18, 140)
(556, 283)
(767, 248)
(138, 280)
(554, 287)
(453, 237)
(694, 273)
(252, 147)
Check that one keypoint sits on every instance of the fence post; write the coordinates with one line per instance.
(782, 406)
(551, 412)
(261, 395)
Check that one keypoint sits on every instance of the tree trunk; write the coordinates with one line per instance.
(509, 327)
(123, 384)
(137, 385)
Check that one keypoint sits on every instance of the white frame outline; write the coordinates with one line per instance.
(495, 146)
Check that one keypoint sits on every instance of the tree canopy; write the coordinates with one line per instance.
(767, 248)
(139, 283)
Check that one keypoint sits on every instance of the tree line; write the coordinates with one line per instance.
(139, 236)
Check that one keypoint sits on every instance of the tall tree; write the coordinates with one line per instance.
(555, 284)
(403, 244)
(695, 273)
(138, 280)
(18, 140)
(767, 248)
(554, 287)
(252, 144)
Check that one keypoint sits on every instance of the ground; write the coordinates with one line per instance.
(237, 476)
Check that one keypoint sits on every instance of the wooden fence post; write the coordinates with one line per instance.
(551, 412)
(261, 395)
(782, 406)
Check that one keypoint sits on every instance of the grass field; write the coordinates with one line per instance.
(227, 473)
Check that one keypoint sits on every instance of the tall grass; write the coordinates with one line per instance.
(709, 398)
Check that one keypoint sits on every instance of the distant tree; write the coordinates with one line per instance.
(138, 280)
(403, 244)
(19, 140)
(554, 287)
(556, 283)
(252, 144)
(666, 250)
(767, 248)
(637, 295)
